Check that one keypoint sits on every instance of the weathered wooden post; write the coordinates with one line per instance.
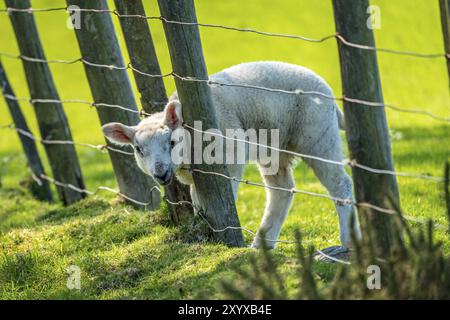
(215, 195)
(40, 190)
(445, 21)
(142, 53)
(51, 118)
(98, 44)
(366, 126)
(143, 57)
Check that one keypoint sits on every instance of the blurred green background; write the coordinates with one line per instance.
(420, 144)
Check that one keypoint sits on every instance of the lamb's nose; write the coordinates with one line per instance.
(161, 172)
(162, 177)
(160, 168)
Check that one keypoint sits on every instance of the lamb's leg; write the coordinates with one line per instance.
(277, 207)
(235, 170)
(195, 201)
(339, 185)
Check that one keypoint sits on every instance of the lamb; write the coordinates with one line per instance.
(308, 124)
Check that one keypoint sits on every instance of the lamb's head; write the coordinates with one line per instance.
(152, 141)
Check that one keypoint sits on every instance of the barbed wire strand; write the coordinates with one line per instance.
(199, 211)
(209, 82)
(300, 92)
(346, 162)
(40, 177)
(305, 156)
(99, 147)
(254, 234)
(351, 163)
(338, 201)
(248, 182)
(337, 36)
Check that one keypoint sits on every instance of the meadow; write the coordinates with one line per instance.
(124, 253)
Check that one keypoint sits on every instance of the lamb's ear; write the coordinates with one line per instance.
(172, 114)
(119, 133)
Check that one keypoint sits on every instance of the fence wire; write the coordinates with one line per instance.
(337, 36)
(346, 162)
(338, 201)
(99, 147)
(199, 211)
(209, 82)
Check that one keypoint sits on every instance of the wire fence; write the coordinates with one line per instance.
(297, 92)
(99, 147)
(337, 36)
(345, 162)
(199, 211)
(339, 201)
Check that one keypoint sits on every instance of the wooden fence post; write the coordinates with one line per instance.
(98, 44)
(185, 48)
(143, 57)
(366, 126)
(51, 118)
(40, 190)
(445, 20)
(142, 53)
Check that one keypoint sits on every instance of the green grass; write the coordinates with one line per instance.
(124, 253)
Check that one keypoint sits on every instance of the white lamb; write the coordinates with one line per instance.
(308, 124)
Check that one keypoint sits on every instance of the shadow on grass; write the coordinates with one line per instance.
(121, 253)
(172, 270)
(85, 208)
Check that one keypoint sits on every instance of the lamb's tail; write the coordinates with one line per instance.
(340, 117)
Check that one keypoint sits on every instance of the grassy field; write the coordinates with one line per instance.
(128, 254)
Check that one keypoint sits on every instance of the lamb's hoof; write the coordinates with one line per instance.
(333, 254)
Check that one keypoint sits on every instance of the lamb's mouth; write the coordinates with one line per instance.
(167, 180)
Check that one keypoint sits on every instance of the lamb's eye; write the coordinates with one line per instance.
(138, 150)
(172, 143)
